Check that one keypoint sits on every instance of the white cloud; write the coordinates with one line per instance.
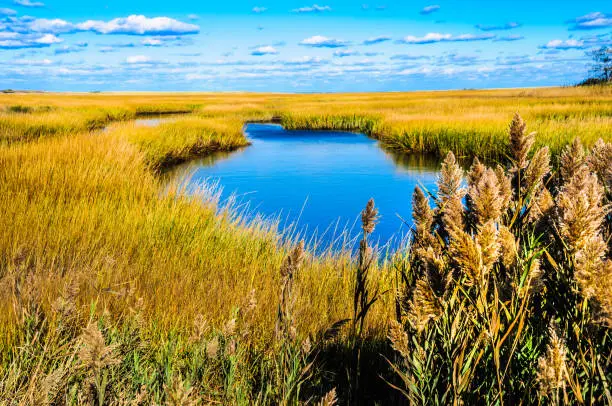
(28, 3)
(138, 59)
(7, 12)
(151, 42)
(430, 9)
(264, 50)
(259, 10)
(139, 25)
(15, 40)
(564, 45)
(319, 41)
(433, 37)
(592, 21)
(315, 8)
(346, 52)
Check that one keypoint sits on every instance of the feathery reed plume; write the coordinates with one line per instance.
(538, 168)
(330, 399)
(508, 247)
(467, 254)
(552, 368)
(540, 206)
(520, 142)
(423, 218)
(449, 180)
(399, 338)
(600, 162)
(450, 194)
(369, 217)
(504, 183)
(476, 171)
(489, 246)
(178, 393)
(285, 324)
(486, 198)
(572, 159)
(582, 212)
(424, 306)
(95, 355)
(363, 299)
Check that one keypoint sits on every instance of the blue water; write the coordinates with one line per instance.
(317, 182)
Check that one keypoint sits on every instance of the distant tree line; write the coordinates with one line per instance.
(601, 68)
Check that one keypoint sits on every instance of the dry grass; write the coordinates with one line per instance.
(188, 298)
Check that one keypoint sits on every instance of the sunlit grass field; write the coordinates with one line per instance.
(180, 300)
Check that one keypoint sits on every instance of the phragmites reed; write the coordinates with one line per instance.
(552, 368)
(94, 354)
(538, 168)
(582, 211)
(424, 306)
(572, 159)
(369, 217)
(520, 142)
(600, 162)
(363, 298)
(450, 194)
(423, 217)
(486, 197)
(330, 399)
(285, 324)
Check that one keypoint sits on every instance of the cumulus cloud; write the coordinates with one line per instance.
(139, 25)
(28, 3)
(7, 12)
(564, 45)
(259, 10)
(430, 9)
(346, 52)
(264, 50)
(434, 37)
(509, 38)
(376, 40)
(15, 40)
(508, 26)
(315, 8)
(319, 41)
(591, 21)
(142, 60)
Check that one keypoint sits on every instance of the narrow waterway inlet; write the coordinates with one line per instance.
(315, 183)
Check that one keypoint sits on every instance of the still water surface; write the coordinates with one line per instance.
(316, 182)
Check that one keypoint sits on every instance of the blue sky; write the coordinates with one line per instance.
(297, 46)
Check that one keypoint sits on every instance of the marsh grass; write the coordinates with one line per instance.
(117, 288)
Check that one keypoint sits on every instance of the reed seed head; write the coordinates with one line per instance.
(600, 162)
(520, 141)
(552, 367)
(94, 354)
(572, 159)
(399, 339)
(330, 399)
(424, 306)
(538, 168)
(369, 217)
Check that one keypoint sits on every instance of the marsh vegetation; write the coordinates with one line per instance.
(115, 289)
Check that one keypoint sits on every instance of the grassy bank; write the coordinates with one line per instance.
(113, 292)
